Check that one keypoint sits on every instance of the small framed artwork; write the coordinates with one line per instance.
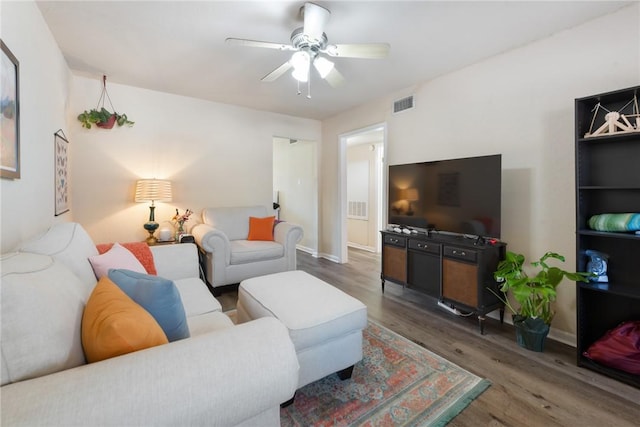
(62, 173)
(9, 115)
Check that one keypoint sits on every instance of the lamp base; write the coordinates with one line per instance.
(151, 227)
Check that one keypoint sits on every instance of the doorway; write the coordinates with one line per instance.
(295, 187)
(362, 175)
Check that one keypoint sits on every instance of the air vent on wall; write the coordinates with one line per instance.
(403, 104)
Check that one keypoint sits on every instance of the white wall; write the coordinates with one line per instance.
(295, 177)
(215, 155)
(362, 185)
(28, 203)
(519, 104)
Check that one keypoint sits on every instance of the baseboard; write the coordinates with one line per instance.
(310, 251)
(362, 247)
(330, 257)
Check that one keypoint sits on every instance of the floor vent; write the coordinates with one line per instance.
(403, 104)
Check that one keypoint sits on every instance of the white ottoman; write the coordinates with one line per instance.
(324, 323)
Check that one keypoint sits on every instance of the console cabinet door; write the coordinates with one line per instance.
(459, 282)
(394, 263)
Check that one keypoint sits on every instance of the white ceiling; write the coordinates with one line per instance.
(179, 47)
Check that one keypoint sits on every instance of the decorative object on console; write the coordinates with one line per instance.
(179, 221)
(102, 117)
(532, 319)
(152, 190)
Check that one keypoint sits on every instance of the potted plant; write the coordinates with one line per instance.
(103, 118)
(534, 294)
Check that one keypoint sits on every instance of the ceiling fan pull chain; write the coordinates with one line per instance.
(298, 82)
(309, 84)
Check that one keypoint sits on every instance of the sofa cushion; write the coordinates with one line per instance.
(209, 322)
(233, 221)
(159, 296)
(41, 302)
(245, 251)
(261, 228)
(116, 257)
(113, 324)
(196, 298)
(70, 244)
(140, 250)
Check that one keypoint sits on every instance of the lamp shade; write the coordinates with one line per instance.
(410, 194)
(154, 190)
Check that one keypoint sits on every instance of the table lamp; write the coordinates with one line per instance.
(410, 195)
(152, 190)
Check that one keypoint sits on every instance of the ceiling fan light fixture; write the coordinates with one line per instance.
(323, 65)
(300, 62)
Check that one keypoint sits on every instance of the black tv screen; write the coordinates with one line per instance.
(457, 196)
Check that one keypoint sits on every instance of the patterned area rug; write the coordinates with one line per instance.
(398, 383)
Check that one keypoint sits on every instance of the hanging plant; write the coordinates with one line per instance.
(102, 117)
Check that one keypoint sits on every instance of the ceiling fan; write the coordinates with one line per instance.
(309, 43)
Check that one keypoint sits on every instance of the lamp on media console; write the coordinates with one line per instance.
(152, 190)
(410, 195)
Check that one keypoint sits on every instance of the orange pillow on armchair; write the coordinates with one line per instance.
(261, 228)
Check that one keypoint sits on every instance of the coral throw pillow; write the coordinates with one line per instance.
(116, 257)
(261, 228)
(113, 324)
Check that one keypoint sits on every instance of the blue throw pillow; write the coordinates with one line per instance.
(160, 297)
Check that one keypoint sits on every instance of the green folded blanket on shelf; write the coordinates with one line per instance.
(615, 222)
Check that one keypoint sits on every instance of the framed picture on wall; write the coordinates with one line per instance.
(9, 115)
(62, 173)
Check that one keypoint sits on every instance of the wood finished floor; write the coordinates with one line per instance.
(528, 388)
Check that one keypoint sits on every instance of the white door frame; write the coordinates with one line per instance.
(344, 252)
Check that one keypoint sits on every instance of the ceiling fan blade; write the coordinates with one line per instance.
(256, 43)
(334, 78)
(366, 51)
(315, 19)
(277, 72)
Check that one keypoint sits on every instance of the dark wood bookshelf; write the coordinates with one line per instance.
(607, 181)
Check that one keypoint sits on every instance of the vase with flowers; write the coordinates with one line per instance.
(179, 220)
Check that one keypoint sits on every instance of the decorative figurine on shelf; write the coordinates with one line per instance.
(616, 122)
(597, 265)
(179, 221)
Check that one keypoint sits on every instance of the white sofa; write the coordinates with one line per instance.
(231, 258)
(222, 375)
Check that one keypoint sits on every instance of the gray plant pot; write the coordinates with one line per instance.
(530, 333)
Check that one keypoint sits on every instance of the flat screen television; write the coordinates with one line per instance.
(460, 196)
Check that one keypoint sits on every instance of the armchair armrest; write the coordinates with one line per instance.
(288, 234)
(220, 378)
(212, 240)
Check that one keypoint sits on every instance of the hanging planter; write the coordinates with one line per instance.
(102, 117)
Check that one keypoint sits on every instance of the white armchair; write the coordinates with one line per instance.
(231, 258)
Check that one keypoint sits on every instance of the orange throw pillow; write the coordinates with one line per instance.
(261, 228)
(113, 324)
